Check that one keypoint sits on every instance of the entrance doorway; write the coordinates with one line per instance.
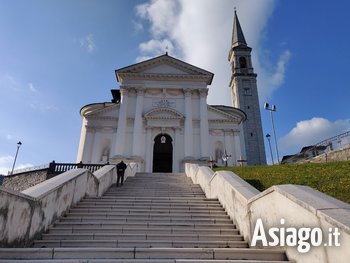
(163, 154)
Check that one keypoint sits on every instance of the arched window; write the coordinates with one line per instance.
(242, 62)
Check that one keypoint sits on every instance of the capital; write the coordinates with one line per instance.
(124, 91)
(140, 91)
(187, 92)
(203, 92)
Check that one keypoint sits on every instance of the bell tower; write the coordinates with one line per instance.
(244, 95)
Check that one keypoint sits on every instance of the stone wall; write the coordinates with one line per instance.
(24, 181)
(342, 154)
(300, 206)
(25, 215)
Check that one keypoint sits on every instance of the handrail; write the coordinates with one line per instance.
(330, 140)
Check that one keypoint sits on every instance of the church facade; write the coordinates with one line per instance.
(160, 118)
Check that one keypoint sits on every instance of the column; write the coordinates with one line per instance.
(122, 122)
(188, 124)
(96, 152)
(83, 143)
(149, 149)
(137, 134)
(238, 151)
(228, 145)
(89, 141)
(204, 129)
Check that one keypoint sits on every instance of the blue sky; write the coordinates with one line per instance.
(57, 56)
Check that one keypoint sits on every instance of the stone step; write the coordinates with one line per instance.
(156, 194)
(138, 261)
(120, 220)
(140, 243)
(133, 230)
(123, 200)
(141, 236)
(117, 198)
(142, 216)
(112, 224)
(185, 196)
(160, 218)
(143, 253)
(148, 206)
(133, 210)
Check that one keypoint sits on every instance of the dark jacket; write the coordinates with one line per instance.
(121, 167)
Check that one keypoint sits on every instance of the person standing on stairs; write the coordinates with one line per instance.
(121, 167)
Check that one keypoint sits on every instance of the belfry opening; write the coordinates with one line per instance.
(163, 154)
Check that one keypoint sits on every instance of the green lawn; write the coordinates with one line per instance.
(330, 178)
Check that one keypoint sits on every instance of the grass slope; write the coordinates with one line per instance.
(330, 178)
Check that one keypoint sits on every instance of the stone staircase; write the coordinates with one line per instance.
(162, 218)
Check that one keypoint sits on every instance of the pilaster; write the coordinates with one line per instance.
(204, 127)
(149, 149)
(137, 133)
(121, 129)
(188, 124)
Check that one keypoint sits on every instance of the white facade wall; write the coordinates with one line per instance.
(158, 100)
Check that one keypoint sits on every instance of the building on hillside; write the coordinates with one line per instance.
(306, 153)
(160, 118)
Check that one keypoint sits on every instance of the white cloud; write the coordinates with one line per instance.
(200, 32)
(309, 132)
(88, 43)
(138, 27)
(43, 107)
(270, 80)
(6, 163)
(9, 137)
(154, 47)
(32, 88)
(8, 81)
(162, 14)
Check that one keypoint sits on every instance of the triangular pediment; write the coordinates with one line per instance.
(163, 113)
(163, 66)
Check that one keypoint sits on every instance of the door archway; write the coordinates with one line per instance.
(163, 154)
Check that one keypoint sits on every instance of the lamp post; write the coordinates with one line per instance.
(268, 137)
(272, 109)
(14, 162)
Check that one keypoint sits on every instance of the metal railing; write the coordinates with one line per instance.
(337, 141)
(58, 168)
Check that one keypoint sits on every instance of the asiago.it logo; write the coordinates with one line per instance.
(303, 238)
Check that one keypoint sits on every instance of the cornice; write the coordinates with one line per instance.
(165, 77)
(105, 108)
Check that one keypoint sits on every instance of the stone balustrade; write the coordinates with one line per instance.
(300, 206)
(25, 215)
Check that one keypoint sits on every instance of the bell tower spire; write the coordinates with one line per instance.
(244, 94)
(237, 32)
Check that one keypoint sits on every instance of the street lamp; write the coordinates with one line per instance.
(268, 137)
(273, 108)
(14, 162)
